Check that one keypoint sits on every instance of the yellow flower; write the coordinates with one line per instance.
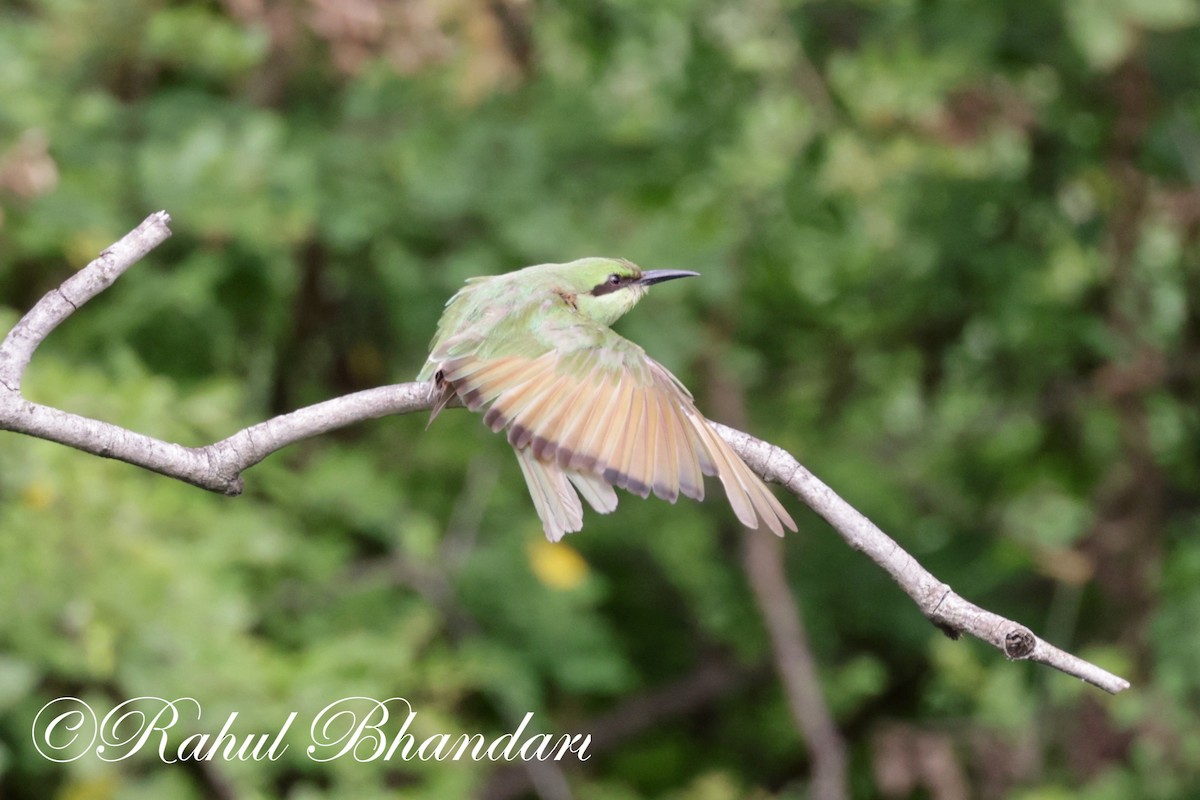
(37, 495)
(558, 566)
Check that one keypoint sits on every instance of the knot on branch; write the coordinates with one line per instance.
(1019, 644)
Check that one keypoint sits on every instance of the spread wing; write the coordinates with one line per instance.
(599, 407)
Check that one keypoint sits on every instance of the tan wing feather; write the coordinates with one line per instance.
(684, 464)
(667, 468)
(641, 443)
(595, 490)
(575, 403)
(614, 444)
(534, 385)
(585, 419)
(654, 469)
(587, 442)
(584, 411)
(532, 417)
(754, 498)
(485, 379)
(723, 470)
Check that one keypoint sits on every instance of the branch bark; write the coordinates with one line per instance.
(937, 601)
(796, 667)
(783, 614)
(218, 466)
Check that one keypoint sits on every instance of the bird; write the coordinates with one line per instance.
(585, 409)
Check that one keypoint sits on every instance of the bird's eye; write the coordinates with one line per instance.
(614, 280)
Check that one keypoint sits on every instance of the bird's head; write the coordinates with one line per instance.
(606, 288)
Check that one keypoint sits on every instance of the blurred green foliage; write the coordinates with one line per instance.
(950, 260)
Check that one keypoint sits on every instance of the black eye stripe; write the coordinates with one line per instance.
(609, 285)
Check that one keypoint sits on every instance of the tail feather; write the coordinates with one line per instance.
(443, 392)
(555, 500)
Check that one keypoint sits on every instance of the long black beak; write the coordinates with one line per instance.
(653, 276)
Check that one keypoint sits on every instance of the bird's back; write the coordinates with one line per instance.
(523, 313)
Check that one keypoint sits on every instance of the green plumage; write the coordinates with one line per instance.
(525, 314)
(583, 406)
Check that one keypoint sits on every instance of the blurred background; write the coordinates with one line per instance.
(950, 261)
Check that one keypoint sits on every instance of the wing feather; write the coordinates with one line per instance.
(754, 499)
(598, 414)
(664, 454)
(691, 478)
(518, 391)
(488, 378)
(588, 409)
(615, 442)
(551, 434)
(522, 426)
(734, 491)
(638, 458)
(684, 464)
(595, 490)
(589, 444)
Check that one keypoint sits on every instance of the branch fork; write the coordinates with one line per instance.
(218, 467)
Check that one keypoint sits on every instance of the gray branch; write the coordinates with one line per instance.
(219, 466)
(937, 601)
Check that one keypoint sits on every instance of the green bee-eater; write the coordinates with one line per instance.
(580, 402)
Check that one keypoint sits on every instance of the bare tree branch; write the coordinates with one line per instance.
(218, 466)
(794, 662)
(17, 348)
(783, 616)
(937, 601)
